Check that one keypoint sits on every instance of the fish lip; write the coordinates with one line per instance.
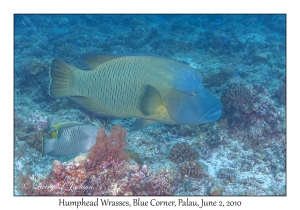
(214, 113)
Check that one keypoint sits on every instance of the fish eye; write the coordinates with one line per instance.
(195, 92)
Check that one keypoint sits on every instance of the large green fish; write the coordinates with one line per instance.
(153, 89)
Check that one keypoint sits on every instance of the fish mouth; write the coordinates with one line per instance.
(214, 114)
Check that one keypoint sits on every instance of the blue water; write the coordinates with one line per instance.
(242, 59)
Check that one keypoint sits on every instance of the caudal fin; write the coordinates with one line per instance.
(60, 79)
(47, 146)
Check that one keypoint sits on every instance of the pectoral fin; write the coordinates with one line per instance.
(140, 124)
(152, 102)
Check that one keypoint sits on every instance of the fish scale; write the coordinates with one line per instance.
(71, 140)
(150, 88)
(114, 101)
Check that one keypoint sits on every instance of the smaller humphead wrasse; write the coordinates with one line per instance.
(71, 139)
(150, 88)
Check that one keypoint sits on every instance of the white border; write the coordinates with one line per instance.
(8, 8)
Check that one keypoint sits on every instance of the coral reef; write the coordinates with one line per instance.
(119, 179)
(219, 42)
(247, 105)
(24, 183)
(216, 191)
(213, 136)
(191, 169)
(237, 100)
(38, 66)
(39, 122)
(35, 140)
(243, 61)
(32, 130)
(183, 152)
(169, 132)
(227, 174)
(103, 171)
(107, 149)
(64, 180)
(135, 156)
(125, 179)
(226, 72)
(34, 65)
(281, 91)
(22, 131)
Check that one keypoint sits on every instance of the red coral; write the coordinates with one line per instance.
(120, 179)
(126, 179)
(107, 149)
(58, 170)
(104, 172)
(143, 182)
(69, 180)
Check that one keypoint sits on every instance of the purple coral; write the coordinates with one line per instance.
(39, 122)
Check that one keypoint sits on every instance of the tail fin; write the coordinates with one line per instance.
(60, 79)
(47, 146)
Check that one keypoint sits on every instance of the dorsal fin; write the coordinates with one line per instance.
(94, 60)
(66, 125)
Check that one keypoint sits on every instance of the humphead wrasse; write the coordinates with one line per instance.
(153, 89)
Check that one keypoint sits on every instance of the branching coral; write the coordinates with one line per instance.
(191, 169)
(250, 107)
(183, 152)
(107, 149)
(237, 99)
(103, 172)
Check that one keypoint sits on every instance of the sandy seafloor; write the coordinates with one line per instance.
(243, 62)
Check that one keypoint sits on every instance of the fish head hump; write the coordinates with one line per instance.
(189, 102)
